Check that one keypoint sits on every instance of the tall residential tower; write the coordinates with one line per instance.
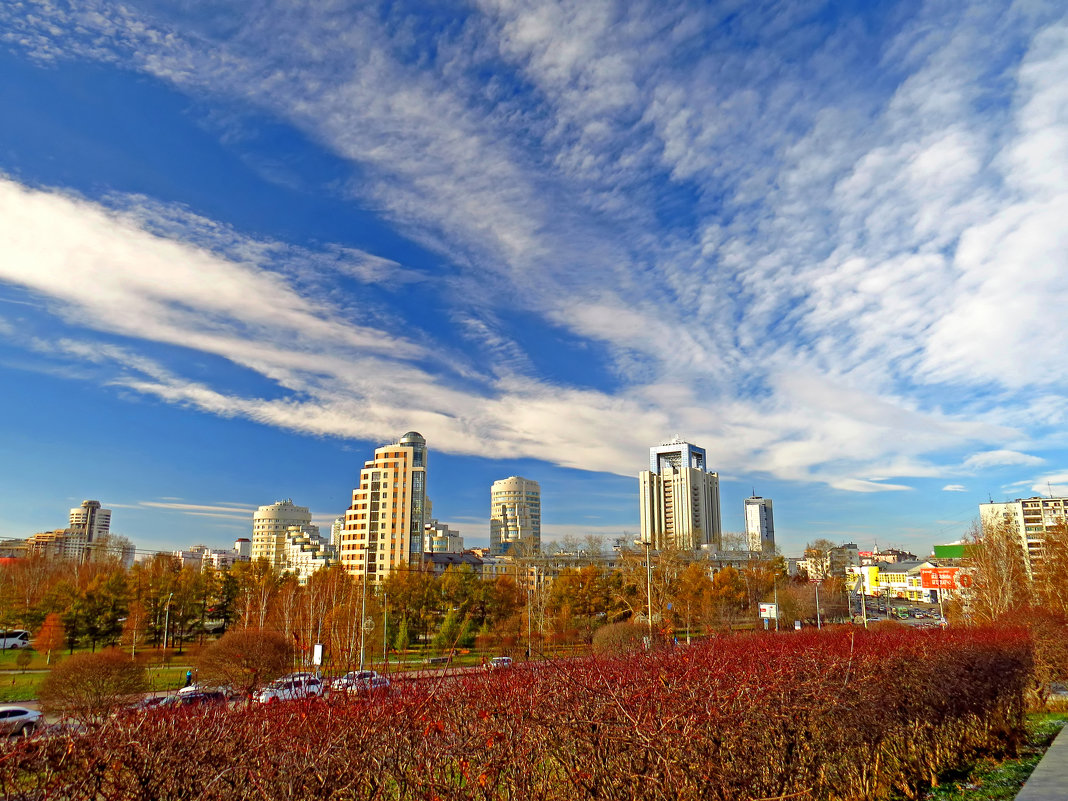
(384, 525)
(759, 525)
(679, 501)
(515, 515)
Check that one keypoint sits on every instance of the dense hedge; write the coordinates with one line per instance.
(837, 715)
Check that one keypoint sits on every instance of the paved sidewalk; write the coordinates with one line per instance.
(1049, 782)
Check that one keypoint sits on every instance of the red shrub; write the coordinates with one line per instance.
(837, 715)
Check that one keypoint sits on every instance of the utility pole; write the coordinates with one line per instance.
(818, 626)
(167, 621)
(363, 601)
(649, 591)
(385, 625)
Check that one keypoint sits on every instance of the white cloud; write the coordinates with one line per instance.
(954, 488)
(852, 250)
(997, 458)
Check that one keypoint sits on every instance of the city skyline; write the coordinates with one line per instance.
(239, 252)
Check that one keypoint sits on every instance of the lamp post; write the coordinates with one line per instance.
(363, 601)
(167, 621)
(648, 588)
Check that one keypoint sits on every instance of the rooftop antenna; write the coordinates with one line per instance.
(1050, 488)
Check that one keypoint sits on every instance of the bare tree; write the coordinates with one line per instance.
(1051, 571)
(994, 557)
(245, 660)
(88, 686)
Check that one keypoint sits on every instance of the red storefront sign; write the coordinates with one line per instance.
(939, 578)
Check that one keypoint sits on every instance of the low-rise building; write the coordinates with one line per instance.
(306, 551)
(439, 538)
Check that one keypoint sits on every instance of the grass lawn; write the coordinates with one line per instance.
(23, 686)
(1000, 780)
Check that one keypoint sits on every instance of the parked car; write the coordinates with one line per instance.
(499, 662)
(18, 720)
(291, 688)
(151, 703)
(351, 679)
(206, 698)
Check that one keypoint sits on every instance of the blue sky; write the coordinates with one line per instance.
(241, 245)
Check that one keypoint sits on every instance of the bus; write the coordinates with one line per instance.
(14, 638)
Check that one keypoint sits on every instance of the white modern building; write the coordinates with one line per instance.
(439, 538)
(201, 557)
(679, 499)
(307, 551)
(269, 525)
(91, 519)
(385, 524)
(759, 525)
(1030, 518)
(515, 515)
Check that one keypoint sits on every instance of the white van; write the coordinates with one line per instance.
(14, 638)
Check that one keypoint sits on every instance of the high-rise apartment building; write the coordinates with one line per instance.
(384, 525)
(91, 520)
(269, 525)
(515, 515)
(759, 525)
(1031, 518)
(679, 499)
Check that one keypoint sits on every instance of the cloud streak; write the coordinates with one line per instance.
(818, 278)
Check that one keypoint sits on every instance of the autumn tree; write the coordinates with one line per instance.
(728, 598)
(88, 686)
(994, 557)
(135, 627)
(1051, 570)
(51, 636)
(245, 660)
(693, 595)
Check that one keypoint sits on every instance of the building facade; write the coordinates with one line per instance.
(439, 538)
(679, 499)
(269, 526)
(759, 525)
(1031, 518)
(384, 526)
(307, 551)
(92, 520)
(515, 515)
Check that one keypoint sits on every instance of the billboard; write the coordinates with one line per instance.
(767, 611)
(939, 578)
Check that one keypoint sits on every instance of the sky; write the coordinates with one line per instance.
(244, 244)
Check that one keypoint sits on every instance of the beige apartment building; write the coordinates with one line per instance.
(269, 526)
(515, 515)
(384, 526)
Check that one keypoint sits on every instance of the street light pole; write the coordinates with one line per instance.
(167, 621)
(649, 591)
(363, 601)
(818, 626)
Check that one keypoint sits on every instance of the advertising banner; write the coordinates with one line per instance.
(767, 611)
(939, 578)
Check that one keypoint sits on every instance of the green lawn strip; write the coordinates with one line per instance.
(990, 779)
(23, 686)
(19, 686)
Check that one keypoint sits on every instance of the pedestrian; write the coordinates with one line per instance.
(188, 677)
